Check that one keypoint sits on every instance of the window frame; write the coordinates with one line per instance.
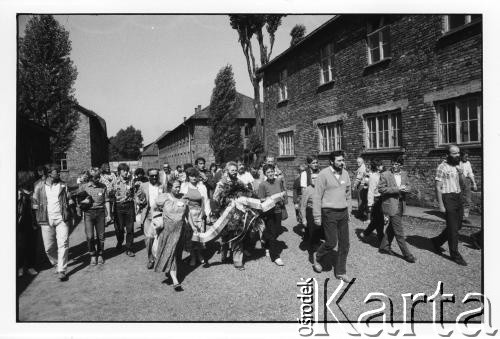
(330, 60)
(62, 160)
(282, 85)
(468, 21)
(392, 133)
(286, 149)
(459, 136)
(337, 133)
(378, 31)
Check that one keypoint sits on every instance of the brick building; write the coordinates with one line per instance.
(33, 144)
(379, 86)
(150, 154)
(89, 147)
(190, 139)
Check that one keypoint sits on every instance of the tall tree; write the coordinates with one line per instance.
(297, 33)
(225, 137)
(248, 26)
(46, 76)
(126, 144)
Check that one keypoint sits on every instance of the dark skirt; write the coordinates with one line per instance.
(170, 245)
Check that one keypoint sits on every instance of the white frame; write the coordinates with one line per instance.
(394, 140)
(458, 122)
(286, 143)
(283, 90)
(381, 43)
(326, 53)
(334, 132)
(65, 159)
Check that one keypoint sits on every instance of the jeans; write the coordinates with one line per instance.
(56, 242)
(94, 218)
(454, 211)
(395, 229)
(272, 220)
(335, 223)
(124, 223)
(376, 220)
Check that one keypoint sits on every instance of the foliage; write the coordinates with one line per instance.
(225, 137)
(255, 144)
(297, 33)
(125, 145)
(248, 26)
(46, 76)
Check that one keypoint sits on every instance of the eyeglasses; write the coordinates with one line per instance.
(153, 175)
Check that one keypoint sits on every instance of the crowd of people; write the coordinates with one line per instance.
(173, 207)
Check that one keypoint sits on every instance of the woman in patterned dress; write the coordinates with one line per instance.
(170, 239)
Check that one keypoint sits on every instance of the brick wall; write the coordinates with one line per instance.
(425, 68)
(79, 153)
(98, 143)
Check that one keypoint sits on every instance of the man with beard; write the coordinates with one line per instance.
(450, 203)
(50, 202)
(393, 186)
(244, 175)
(229, 187)
(146, 197)
(331, 209)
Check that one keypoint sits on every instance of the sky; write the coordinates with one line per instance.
(150, 71)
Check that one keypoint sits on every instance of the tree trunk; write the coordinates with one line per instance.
(257, 109)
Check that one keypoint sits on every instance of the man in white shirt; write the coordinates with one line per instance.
(244, 175)
(50, 204)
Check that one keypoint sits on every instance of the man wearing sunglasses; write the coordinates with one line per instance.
(145, 197)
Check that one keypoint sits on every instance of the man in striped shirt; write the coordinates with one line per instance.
(450, 203)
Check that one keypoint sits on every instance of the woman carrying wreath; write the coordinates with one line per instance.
(171, 237)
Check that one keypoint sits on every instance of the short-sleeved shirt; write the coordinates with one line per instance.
(123, 190)
(98, 192)
(449, 176)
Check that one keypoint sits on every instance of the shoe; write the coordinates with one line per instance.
(279, 262)
(100, 260)
(411, 259)
(240, 268)
(267, 253)
(119, 247)
(317, 266)
(206, 264)
(436, 248)
(178, 288)
(130, 253)
(62, 276)
(150, 265)
(343, 277)
(460, 261)
(386, 251)
(32, 271)
(93, 261)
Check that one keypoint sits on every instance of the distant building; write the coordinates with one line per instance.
(379, 86)
(150, 155)
(190, 139)
(89, 147)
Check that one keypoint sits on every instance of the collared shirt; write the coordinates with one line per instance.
(397, 177)
(108, 180)
(98, 192)
(466, 169)
(53, 204)
(449, 176)
(123, 190)
(373, 187)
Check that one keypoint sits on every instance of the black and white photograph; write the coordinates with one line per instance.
(314, 171)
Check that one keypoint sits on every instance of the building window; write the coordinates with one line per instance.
(383, 130)
(330, 137)
(283, 91)
(454, 21)
(379, 41)
(460, 121)
(286, 143)
(62, 161)
(326, 64)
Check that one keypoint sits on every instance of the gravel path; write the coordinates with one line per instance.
(124, 290)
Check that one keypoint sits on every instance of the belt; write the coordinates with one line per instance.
(125, 202)
(335, 209)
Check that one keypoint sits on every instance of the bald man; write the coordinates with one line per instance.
(450, 203)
